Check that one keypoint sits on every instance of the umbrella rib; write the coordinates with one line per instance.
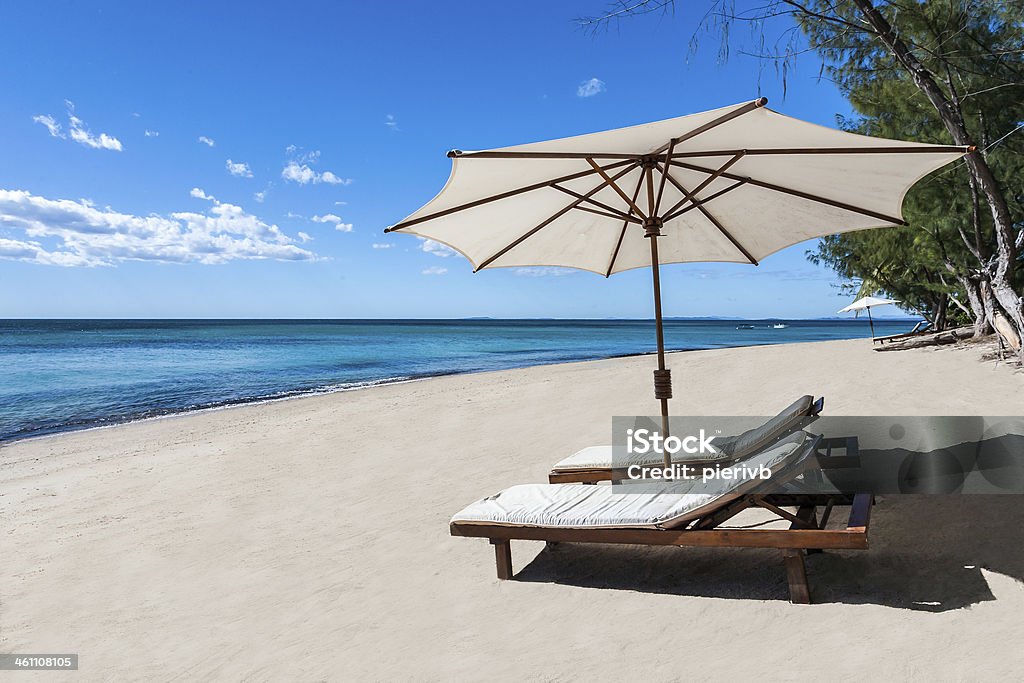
(615, 212)
(625, 224)
(506, 195)
(739, 111)
(707, 181)
(649, 172)
(550, 219)
(797, 193)
(498, 154)
(611, 182)
(606, 214)
(673, 214)
(714, 221)
(937, 149)
(661, 184)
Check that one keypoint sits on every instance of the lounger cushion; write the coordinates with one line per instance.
(729, 448)
(757, 438)
(655, 505)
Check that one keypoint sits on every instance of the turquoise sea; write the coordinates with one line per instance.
(57, 375)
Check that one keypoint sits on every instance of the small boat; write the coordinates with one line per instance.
(779, 326)
(746, 327)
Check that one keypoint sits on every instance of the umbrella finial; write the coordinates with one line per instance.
(761, 101)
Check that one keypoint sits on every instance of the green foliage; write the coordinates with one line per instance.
(975, 50)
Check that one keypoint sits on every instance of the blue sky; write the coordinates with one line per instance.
(307, 128)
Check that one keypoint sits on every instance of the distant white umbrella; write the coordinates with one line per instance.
(733, 184)
(866, 303)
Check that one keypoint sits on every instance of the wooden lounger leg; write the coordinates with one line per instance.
(796, 574)
(809, 514)
(503, 557)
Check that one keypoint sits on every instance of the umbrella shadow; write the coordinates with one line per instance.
(926, 554)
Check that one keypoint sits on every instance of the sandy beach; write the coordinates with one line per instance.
(308, 539)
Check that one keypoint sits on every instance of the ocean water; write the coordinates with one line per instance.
(57, 375)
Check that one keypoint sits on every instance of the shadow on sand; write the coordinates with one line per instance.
(926, 553)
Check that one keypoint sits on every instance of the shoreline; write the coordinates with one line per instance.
(313, 393)
(355, 386)
(300, 396)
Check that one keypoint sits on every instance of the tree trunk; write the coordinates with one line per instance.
(938, 339)
(999, 322)
(973, 290)
(1010, 302)
(940, 313)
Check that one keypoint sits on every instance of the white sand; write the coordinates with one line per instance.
(308, 539)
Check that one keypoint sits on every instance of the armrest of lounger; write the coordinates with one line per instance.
(851, 452)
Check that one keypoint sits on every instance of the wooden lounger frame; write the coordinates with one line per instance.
(807, 531)
(922, 327)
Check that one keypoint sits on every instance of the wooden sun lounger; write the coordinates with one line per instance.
(807, 531)
(920, 328)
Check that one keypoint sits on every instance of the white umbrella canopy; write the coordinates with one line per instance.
(762, 181)
(867, 302)
(733, 184)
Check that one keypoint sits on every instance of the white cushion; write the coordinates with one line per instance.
(651, 506)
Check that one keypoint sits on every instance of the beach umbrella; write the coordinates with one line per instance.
(866, 303)
(733, 184)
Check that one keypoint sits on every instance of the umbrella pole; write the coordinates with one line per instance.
(871, 324)
(662, 376)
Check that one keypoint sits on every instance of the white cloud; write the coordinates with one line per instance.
(331, 179)
(199, 194)
(206, 141)
(434, 270)
(67, 232)
(436, 248)
(542, 271)
(260, 196)
(238, 169)
(78, 130)
(590, 88)
(50, 123)
(390, 122)
(326, 218)
(80, 134)
(341, 203)
(305, 237)
(152, 133)
(335, 220)
(303, 174)
(382, 245)
(295, 172)
(300, 170)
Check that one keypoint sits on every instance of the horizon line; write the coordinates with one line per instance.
(460, 318)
